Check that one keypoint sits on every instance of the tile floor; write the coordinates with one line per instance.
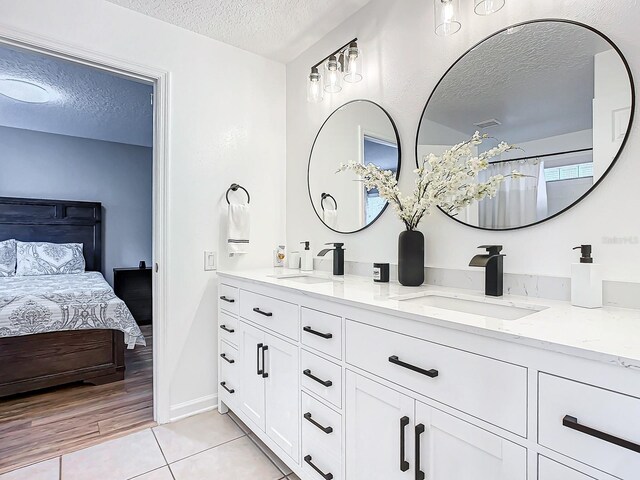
(203, 447)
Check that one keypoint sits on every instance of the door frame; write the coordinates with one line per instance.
(160, 79)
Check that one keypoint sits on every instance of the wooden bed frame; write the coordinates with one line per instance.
(32, 362)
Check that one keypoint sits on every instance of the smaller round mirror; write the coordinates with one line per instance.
(359, 131)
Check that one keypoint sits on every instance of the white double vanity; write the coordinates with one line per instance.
(347, 379)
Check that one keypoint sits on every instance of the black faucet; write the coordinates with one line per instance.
(493, 271)
(338, 257)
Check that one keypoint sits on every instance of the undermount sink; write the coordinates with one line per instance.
(301, 277)
(484, 307)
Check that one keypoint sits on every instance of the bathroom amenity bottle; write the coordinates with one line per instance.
(306, 258)
(586, 280)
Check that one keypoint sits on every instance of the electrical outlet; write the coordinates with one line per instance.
(210, 261)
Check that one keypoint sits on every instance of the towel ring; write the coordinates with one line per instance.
(234, 187)
(324, 197)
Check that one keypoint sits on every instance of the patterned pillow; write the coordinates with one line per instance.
(40, 258)
(8, 258)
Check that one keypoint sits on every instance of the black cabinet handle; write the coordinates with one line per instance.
(404, 465)
(227, 329)
(326, 476)
(419, 431)
(266, 314)
(319, 334)
(224, 385)
(429, 373)
(572, 423)
(307, 416)
(259, 370)
(326, 383)
(230, 300)
(224, 356)
(264, 365)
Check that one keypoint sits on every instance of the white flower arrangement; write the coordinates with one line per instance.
(448, 181)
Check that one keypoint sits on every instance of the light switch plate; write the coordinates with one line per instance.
(210, 261)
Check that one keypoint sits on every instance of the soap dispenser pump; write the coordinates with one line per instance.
(306, 258)
(586, 280)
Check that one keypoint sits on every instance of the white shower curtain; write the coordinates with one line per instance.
(520, 201)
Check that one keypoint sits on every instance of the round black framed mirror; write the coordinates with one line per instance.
(358, 131)
(559, 90)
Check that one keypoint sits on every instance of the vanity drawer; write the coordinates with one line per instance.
(322, 332)
(276, 315)
(595, 426)
(321, 427)
(321, 377)
(229, 373)
(228, 328)
(228, 298)
(550, 470)
(489, 389)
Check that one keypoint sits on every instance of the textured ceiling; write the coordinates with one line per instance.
(539, 82)
(86, 102)
(277, 29)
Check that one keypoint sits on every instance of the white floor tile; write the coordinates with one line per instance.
(161, 474)
(239, 459)
(48, 470)
(274, 458)
(195, 434)
(118, 459)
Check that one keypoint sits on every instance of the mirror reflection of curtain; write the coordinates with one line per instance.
(520, 201)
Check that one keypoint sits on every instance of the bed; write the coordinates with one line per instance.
(58, 329)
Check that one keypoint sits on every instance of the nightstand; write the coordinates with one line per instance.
(133, 286)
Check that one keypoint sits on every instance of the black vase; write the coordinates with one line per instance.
(411, 258)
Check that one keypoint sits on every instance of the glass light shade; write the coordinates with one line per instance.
(446, 15)
(315, 91)
(333, 75)
(353, 64)
(487, 7)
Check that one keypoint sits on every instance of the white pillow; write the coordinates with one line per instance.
(7, 258)
(41, 258)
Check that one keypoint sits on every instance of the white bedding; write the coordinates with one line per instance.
(52, 303)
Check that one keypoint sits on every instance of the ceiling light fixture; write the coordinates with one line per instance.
(343, 64)
(23, 91)
(487, 7)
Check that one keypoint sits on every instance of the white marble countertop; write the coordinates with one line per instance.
(605, 334)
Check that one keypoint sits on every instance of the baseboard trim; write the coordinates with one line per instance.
(193, 407)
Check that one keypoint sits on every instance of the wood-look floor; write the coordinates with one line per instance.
(39, 426)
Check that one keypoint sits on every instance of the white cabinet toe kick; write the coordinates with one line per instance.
(340, 391)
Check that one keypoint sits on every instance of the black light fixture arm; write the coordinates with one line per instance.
(339, 50)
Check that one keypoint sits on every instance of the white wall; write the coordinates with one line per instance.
(403, 61)
(44, 165)
(227, 123)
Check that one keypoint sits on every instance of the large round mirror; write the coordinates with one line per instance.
(359, 131)
(560, 91)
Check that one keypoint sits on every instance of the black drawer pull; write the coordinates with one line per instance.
(307, 416)
(326, 476)
(326, 383)
(319, 334)
(227, 329)
(404, 465)
(230, 300)
(266, 314)
(419, 431)
(259, 370)
(572, 423)
(264, 365)
(224, 385)
(224, 356)
(429, 373)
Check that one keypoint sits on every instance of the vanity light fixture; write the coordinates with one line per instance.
(487, 7)
(446, 15)
(328, 74)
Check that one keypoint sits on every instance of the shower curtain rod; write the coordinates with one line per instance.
(537, 157)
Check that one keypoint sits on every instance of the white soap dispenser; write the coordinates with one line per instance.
(586, 280)
(306, 258)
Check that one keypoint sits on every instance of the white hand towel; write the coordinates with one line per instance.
(238, 226)
(330, 218)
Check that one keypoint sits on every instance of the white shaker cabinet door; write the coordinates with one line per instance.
(282, 394)
(450, 448)
(379, 431)
(251, 347)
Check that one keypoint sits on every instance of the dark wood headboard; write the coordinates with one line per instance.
(56, 221)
